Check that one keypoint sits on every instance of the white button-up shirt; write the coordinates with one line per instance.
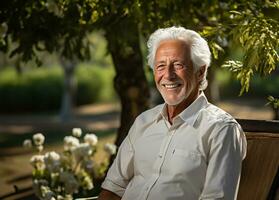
(198, 157)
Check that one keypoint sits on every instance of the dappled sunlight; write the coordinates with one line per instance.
(246, 110)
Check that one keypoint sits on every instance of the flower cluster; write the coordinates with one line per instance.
(58, 176)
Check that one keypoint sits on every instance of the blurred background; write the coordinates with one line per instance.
(67, 64)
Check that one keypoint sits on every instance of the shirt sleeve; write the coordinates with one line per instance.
(227, 150)
(122, 169)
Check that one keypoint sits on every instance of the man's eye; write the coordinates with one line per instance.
(160, 67)
(178, 66)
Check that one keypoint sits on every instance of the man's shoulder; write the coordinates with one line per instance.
(150, 114)
(212, 120)
(216, 115)
(144, 120)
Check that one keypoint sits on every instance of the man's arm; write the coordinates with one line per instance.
(108, 195)
(121, 171)
(228, 148)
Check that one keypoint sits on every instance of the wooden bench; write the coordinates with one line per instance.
(259, 178)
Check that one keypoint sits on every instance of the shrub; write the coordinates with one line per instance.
(70, 173)
(89, 85)
(32, 91)
(95, 84)
(41, 89)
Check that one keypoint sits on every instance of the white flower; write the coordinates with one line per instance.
(52, 161)
(70, 143)
(71, 183)
(82, 150)
(59, 197)
(38, 139)
(67, 172)
(40, 148)
(110, 148)
(27, 143)
(53, 156)
(37, 161)
(77, 132)
(91, 139)
(37, 183)
(47, 194)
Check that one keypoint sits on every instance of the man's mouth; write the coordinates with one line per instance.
(172, 85)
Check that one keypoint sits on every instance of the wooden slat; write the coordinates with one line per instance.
(259, 167)
(267, 126)
(259, 136)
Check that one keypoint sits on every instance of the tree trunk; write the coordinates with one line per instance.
(130, 81)
(66, 110)
(212, 92)
(276, 113)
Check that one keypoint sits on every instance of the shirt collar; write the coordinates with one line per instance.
(190, 114)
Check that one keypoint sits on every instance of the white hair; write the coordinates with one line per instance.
(200, 53)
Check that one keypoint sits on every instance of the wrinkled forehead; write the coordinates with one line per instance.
(179, 41)
(173, 47)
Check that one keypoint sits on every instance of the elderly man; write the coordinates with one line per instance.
(186, 148)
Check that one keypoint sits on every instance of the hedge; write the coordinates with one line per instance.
(41, 89)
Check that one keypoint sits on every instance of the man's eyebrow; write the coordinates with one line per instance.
(160, 62)
(178, 60)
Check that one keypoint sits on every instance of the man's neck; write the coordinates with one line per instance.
(174, 110)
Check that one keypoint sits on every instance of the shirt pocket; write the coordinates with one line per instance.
(191, 155)
(187, 162)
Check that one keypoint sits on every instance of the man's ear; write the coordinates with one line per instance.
(201, 72)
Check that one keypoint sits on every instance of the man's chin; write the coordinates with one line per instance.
(173, 102)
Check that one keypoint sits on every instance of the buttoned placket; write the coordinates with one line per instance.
(159, 160)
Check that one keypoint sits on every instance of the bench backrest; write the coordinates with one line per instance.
(260, 166)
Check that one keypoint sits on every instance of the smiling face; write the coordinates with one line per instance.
(174, 73)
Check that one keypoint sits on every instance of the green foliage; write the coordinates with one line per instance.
(42, 89)
(253, 25)
(257, 33)
(94, 85)
(46, 25)
(273, 101)
(259, 87)
(63, 26)
(87, 92)
(99, 53)
(34, 91)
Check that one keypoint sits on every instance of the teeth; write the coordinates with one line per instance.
(171, 85)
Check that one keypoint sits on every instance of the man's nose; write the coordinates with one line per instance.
(170, 72)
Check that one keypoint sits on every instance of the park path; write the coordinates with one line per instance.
(106, 116)
(90, 118)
